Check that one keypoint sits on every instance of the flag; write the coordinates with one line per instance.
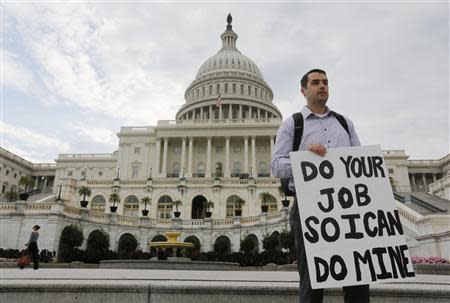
(219, 102)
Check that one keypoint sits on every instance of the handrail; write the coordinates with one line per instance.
(426, 205)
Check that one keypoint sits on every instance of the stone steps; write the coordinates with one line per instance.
(158, 286)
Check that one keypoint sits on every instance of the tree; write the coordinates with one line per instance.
(265, 198)
(114, 197)
(177, 203)
(146, 201)
(11, 196)
(247, 245)
(270, 243)
(84, 191)
(26, 181)
(71, 238)
(97, 246)
(281, 192)
(127, 245)
(208, 204)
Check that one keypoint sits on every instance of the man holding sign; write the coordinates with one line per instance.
(320, 129)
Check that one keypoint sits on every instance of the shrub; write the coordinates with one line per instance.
(46, 256)
(247, 245)
(271, 242)
(97, 247)
(127, 245)
(71, 237)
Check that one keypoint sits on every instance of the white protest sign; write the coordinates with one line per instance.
(351, 227)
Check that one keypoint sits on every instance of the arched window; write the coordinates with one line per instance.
(234, 88)
(249, 91)
(203, 91)
(98, 204)
(226, 88)
(272, 203)
(219, 169)
(232, 205)
(165, 207)
(210, 89)
(236, 169)
(242, 89)
(131, 206)
(218, 88)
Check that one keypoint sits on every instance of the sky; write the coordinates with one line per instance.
(73, 73)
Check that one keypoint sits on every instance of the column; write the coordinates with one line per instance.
(157, 157)
(240, 111)
(227, 157)
(220, 112)
(246, 155)
(249, 112)
(36, 180)
(259, 114)
(201, 113)
(191, 143)
(230, 112)
(271, 150)
(164, 164)
(45, 184)
(434, 178)
(210, 113)
(424, 181)
(413, 182)
(183, 156)
(254, 156)
(208, 159)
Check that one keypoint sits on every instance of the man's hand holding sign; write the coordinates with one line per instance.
(351, 228)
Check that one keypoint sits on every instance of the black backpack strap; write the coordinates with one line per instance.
(298, 130)
(341, 120)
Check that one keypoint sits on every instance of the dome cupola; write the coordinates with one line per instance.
(232, 76)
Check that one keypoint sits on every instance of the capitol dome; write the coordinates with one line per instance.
(232, 76)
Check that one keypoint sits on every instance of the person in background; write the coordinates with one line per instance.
(33, 247)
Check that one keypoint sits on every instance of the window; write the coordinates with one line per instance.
(100, 173)
(137, 150)
(249, 91)
(256, 92)
(69, 173)
(219, 148)
(98, 204)
(15, 175)
(232, 205)
(218, 88)
(176, 170)
(177, 149)
(236, 169)
(201, 168)
(236, 148)
(242, 89)
(261, 148)
(165, 207)
(201, 149)
(226, 88)
(131, 206)
(7, 172)
(203, 91)
(391, 170)
(234, 88)
(210, 89)
(135, 172)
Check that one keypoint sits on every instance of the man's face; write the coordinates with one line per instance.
(316, 91)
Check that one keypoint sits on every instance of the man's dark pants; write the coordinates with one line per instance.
(352, 294)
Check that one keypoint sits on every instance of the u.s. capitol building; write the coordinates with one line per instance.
(217, 149)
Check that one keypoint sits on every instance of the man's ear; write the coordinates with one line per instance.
(303, 91)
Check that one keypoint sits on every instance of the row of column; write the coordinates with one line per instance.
(414, 186)
(227, 169)
(230, 112)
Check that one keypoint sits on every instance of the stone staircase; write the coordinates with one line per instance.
(424, 203)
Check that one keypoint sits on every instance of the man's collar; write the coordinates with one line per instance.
(306, 112)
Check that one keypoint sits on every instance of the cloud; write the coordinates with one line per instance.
(96, 134)
(30, 144)
(16, 75)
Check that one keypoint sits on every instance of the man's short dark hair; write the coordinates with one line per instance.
(304, 80)
(36, 227)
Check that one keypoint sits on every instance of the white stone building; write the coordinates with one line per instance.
(214, 150)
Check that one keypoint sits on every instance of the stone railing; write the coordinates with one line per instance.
(407, 213)
(88, 215)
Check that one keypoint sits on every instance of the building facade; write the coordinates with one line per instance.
(217, 149)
